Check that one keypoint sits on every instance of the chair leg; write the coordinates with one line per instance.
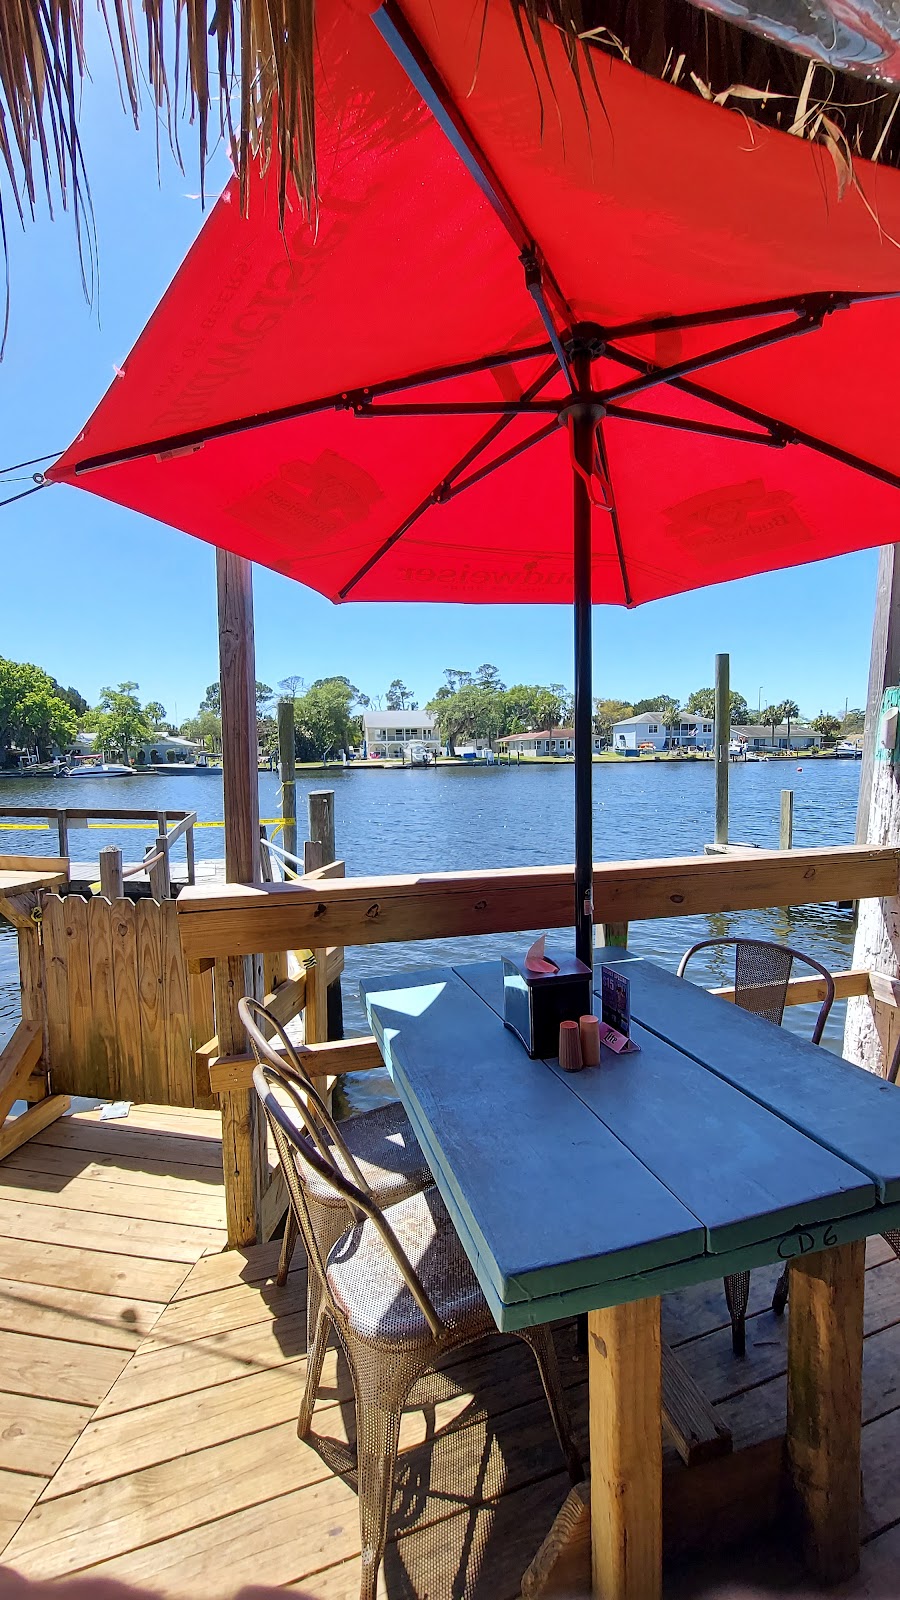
(315, 1355)
(288, 1246)
(378, 1432)
(543, 1349)
(780, 1297)
(737, 1293)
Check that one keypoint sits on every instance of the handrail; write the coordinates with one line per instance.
(218, 920)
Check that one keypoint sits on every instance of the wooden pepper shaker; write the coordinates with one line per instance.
(589, 1031)
(570, 1047)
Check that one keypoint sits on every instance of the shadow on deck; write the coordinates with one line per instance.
(152, 1383)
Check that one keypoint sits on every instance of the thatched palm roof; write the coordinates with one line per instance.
(246, 67)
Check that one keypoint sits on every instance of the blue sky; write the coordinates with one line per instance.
(97, 594)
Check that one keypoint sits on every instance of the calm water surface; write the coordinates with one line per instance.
(448, 818)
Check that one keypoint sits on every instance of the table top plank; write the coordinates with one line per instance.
(483, 1111)
(847, 1110)
(680, 1120)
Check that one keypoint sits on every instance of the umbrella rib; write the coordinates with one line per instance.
(422, 73)
(500, 461)
(344, 400)
(784, 431)
(831, 301)
(445, 489)
(653, 375)
(714, 430)
(614, 514)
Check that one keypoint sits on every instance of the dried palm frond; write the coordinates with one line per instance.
(265, 60)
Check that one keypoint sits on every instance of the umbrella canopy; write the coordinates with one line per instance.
(522, 278)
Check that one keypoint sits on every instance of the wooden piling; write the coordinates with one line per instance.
(111, 881)
(287, 764)
(786, 828)
(722, 736)
(320, 805)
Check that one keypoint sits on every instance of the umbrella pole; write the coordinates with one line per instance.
(581, 421)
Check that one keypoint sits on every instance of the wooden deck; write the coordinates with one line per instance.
(151, 1384)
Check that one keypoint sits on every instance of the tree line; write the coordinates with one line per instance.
(39, 714)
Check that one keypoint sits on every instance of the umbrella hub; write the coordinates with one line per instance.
(586, 340)
(583, 408)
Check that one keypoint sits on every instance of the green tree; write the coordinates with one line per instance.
(703, 703)
(667, 708)
(212, 700)
(120, 720)
(790, 711)
(323, 718)
(456, 678)
(206, 728)
(487, 676)
(608, 712)
(156, 715)
(263, 698)
(72, 698)
(853, 722)
(291, 685)
(32, 713)
(828, 726)
(399, 697)
(770, 716)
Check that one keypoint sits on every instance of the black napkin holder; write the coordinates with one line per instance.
(535, 1003)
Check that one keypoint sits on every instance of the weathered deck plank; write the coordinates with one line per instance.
(186, 1474)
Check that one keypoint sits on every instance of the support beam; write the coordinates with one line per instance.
(244, 1158)
(824, 1418)
(32, 1121)
(876, 947)
(624, 1376)
(722, 736)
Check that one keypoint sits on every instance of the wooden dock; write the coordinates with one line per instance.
(152, 1381)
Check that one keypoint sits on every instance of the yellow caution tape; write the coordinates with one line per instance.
(47, 827)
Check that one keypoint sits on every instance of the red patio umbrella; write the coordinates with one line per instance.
(551, 337)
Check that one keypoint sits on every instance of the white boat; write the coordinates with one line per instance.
(102, 769)
(845, 751)
(417, 755)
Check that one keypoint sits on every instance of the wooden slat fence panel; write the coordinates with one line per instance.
(129, 1073)
(124, 1016)
(151, 994)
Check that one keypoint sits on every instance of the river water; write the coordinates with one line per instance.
(449, 818)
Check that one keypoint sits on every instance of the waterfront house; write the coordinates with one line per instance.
(755, 736)
(647, 730)
(386, 732)
(166, 748)
(545, 742)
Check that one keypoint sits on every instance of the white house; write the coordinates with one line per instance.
(165, 748)
(756, 737)
(386, 732)
(647, 730)
(549, 742)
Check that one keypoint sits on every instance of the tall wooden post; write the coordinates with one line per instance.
(244, 1158)
(884, 669)
(320, 805)
(722, 736)
(287, 765)
(786, 826)
(876, 947)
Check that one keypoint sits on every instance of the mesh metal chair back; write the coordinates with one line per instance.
(762, 972)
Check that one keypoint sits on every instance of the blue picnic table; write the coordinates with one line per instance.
(723, 1144)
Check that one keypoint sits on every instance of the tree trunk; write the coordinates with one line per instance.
(877, 944)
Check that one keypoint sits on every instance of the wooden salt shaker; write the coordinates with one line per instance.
(589, 1031)
(570, 1047)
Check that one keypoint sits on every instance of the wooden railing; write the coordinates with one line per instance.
(169, 824)
(222, 925)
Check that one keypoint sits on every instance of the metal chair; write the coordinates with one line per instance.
(398, 1292)
(762, 972)
(380, 1144)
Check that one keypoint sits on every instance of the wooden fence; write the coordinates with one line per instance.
(124, 1015)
